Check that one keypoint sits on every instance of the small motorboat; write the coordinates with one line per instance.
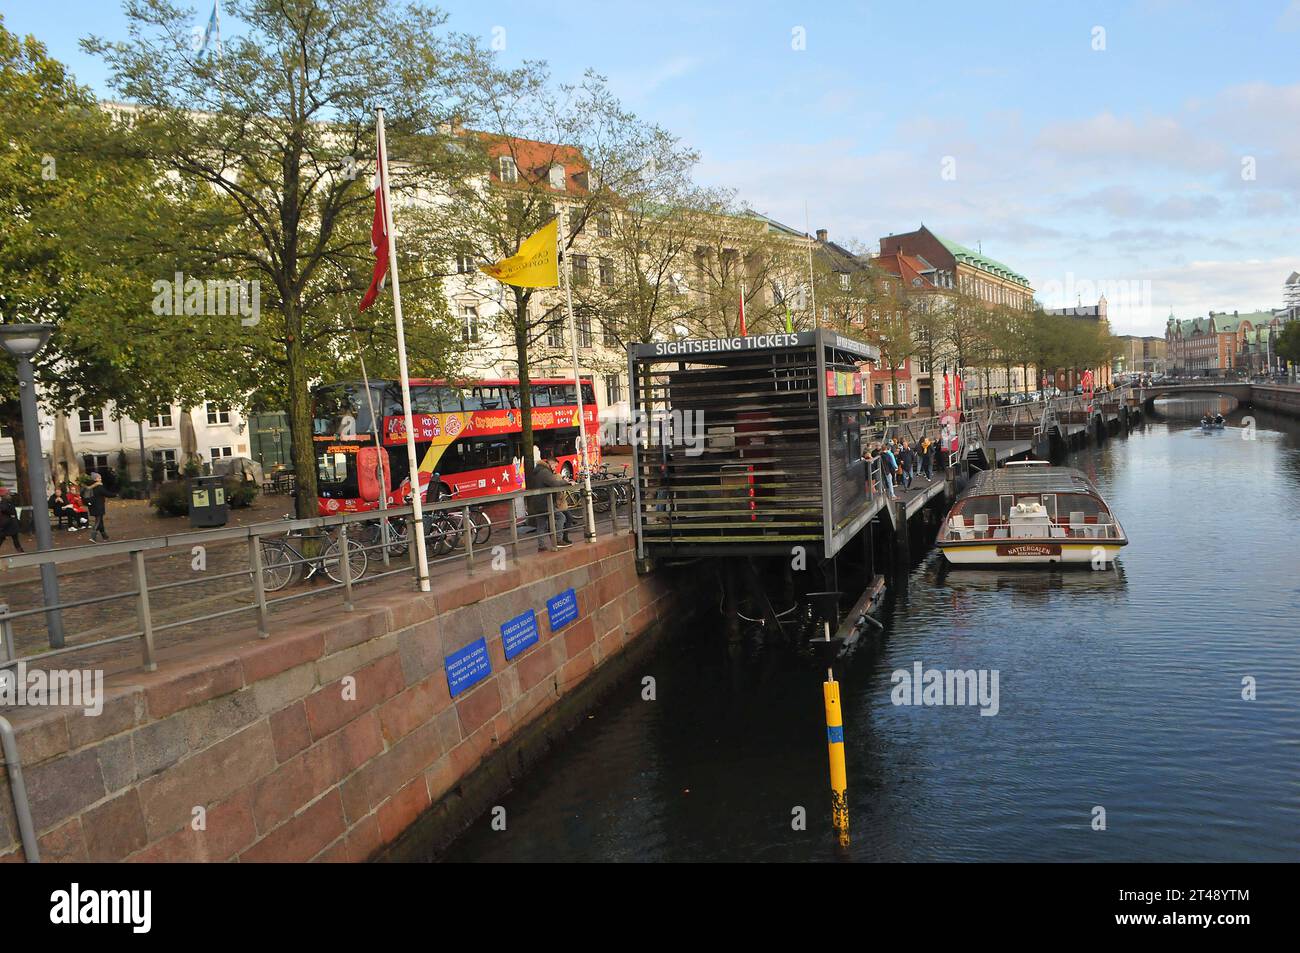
(1031, 512)
(1215, 423)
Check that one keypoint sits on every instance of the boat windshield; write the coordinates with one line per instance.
(1066, 504)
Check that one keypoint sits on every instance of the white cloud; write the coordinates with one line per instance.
(1154, 199)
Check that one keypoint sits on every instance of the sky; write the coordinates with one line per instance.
(1146, 150)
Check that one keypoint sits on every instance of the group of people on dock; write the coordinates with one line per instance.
(901, 464)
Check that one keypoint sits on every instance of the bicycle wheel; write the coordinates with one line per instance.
(278, 566)
(482, 524)
(442, 533)
(397, 537)
(397, 542)
(331, 563)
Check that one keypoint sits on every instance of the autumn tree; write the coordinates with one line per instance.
(281, 128)
(541, 151)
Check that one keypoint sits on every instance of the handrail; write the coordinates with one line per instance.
(18, 790)
(253, 535)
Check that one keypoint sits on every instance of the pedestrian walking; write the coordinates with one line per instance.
(95, 499)
(9, 519)
(927, 459)
(889, 467)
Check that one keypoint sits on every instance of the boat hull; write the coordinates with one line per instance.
(1030, 552)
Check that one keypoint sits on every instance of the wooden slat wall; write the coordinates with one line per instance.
(769, 400)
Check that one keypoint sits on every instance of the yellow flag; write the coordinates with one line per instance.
(534, 265)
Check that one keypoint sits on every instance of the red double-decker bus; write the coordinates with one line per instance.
(466, 434)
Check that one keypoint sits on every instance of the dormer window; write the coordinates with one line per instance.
(507, 170)
(556, 176)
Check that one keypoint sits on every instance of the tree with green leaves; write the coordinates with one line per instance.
(538, 151)
(88, 229)
(1288, 342)
(281, 130)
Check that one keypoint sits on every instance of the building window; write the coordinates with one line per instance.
(464, 264)
(95, 463)
(556, 176)
(607, 272)
(161, 419)
(613, 389)
(507, 170)
(604, 227)
(167, 460)
(469, 324)
(217, 414)
(555, 334)
(575, 221)
(583, 321)
(216, 453)
(609, 333)
(91, 421)
(844, 282)
(579, 270)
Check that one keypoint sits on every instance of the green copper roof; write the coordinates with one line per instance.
(983, 262)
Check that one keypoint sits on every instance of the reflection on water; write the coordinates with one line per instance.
(1117, 689)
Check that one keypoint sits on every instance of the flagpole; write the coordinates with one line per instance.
(577, 382)
(379, 458)
(221, 50)
(812, 282)
(417, 494)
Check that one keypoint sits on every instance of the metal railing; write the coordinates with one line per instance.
(351, 531)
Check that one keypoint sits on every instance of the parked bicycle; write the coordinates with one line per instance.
(369, 535)
(602, 497)
(284, 561)
(452, 523)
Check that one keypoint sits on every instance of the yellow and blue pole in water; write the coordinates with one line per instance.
(835, 748)
(839, 776)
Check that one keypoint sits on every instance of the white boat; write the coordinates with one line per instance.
(1030, 513)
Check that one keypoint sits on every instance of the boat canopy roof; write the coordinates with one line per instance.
(1019, 480)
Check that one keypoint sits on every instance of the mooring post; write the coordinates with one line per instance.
(835, 750)
(826, 607)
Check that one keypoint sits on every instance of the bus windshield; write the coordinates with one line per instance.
(342, 411)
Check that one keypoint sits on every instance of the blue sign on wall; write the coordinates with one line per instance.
(519, 633)
(467, 666)
(562, 609)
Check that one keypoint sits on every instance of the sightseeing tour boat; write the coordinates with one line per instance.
(1030, 513)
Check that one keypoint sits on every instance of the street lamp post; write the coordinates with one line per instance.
(23, 342)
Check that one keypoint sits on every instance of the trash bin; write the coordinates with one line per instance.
(208, 505)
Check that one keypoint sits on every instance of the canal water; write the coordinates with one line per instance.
(1119, 691)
